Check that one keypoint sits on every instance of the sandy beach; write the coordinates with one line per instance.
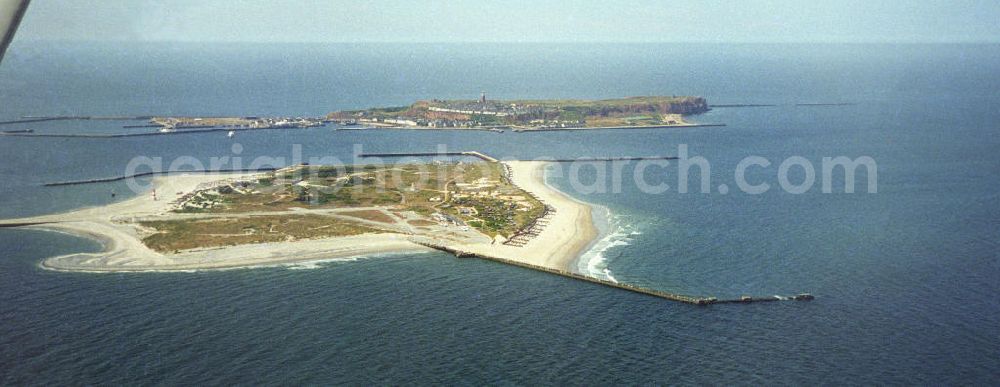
(564, 239)
(567, 234)
(123, 249)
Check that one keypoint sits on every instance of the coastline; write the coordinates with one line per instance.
(590, 260)
(601, 220)
(123, 250)
(569, 235)
(231, 257)
(518, 129)
(582, 128)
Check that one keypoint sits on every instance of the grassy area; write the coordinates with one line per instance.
(425, 189)
(372, 215)
(615, 102)
(412, 186)
(175, 235)
(487, 119)
(578, 103)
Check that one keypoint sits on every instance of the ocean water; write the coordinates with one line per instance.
(905, 278)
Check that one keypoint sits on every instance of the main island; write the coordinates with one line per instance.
(435, 114)
(531, 115)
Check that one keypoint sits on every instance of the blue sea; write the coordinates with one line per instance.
(906, 279)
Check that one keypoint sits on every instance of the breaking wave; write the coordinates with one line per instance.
(615, 232)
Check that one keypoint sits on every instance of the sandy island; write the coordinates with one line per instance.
(568, 233)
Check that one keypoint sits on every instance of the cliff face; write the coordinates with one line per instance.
(687, 105)
(642, 105)
(680, 105)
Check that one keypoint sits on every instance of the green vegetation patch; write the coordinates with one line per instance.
(422, 188)
(175, 235)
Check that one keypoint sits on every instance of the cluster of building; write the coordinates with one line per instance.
(456, 114)
(297, 122)
(517, 202)
(526, 115)
(415, 122)
(485, 201)
(556, 123)
(486, 108)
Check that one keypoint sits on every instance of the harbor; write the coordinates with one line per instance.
(32, 133)
(166, 125)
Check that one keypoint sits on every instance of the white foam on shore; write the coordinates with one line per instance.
(320, 263)
(317, 264)
(303, 265)
(614, 232)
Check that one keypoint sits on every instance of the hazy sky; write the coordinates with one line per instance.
(512, 21)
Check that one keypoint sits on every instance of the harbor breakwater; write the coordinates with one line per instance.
(686, 299)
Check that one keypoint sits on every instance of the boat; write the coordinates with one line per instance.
(231, 134)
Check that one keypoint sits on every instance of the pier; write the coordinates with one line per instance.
(475, 154)
(152, 173)
(491, 159)
(594, 159)
(170, 129)
(143, 134)
(527, 130)
(523, 236)
(691, 300)
(29, 119)
(22, 224)
(742, 105)
(754, 105)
